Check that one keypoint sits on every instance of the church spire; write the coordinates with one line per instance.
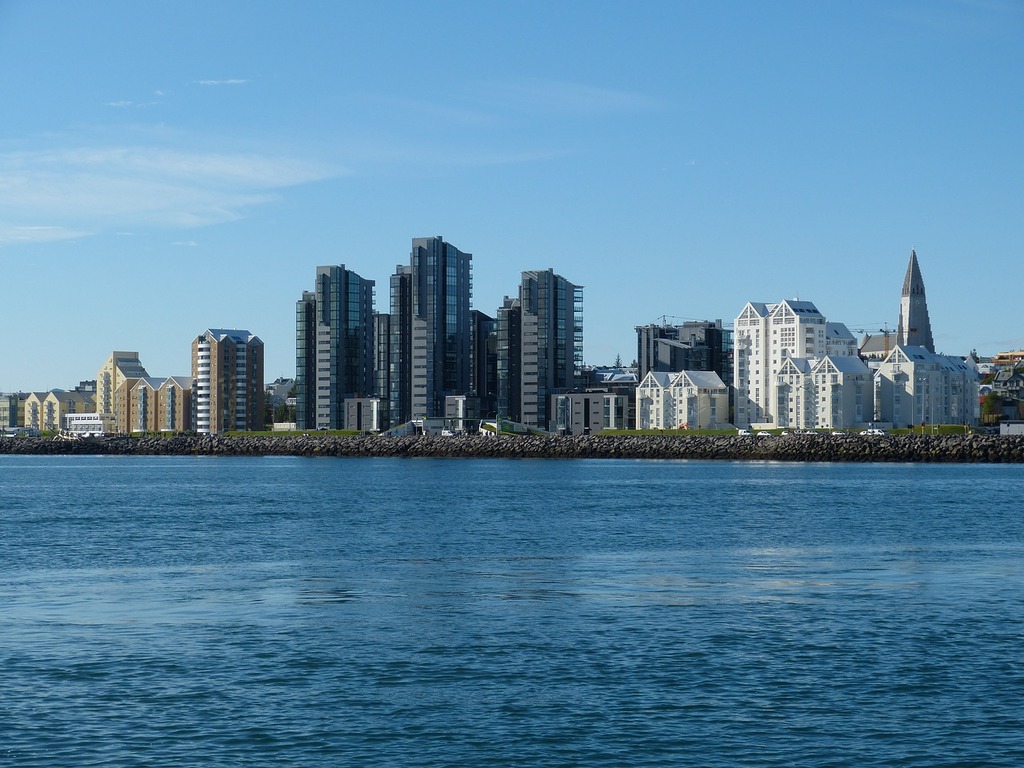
(914, 327)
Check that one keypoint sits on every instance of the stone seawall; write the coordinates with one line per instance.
(889, 448)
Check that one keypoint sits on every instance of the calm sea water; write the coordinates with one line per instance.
(392, 612)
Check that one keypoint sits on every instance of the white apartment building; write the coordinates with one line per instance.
(914, 386)
(683, 400)
(835, 392)
(765, 336)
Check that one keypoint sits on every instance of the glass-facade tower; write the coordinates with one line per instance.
(430, 330)
(334, 360)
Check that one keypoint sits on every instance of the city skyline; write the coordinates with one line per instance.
(168, 169)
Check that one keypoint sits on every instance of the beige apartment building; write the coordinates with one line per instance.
(149, 404)
(119, 367)
(227, 366)
(46, 410)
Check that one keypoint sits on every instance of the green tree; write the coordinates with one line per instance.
(991, 404)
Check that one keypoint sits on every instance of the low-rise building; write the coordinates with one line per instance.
(914, 386)
(46, 410)
(682, 400)
(835, 392)
(589, 412)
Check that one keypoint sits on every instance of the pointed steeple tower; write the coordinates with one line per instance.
(914, 326)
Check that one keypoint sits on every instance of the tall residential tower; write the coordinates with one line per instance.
(430, 330)
(227, 367)
(334, 349)
(540, 346)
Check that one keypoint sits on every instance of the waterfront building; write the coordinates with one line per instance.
(834, 392)
(430, 330)
(540, 345)
(118, 367)
(176, 404)
(12, 410)
(142, 405)
(89, 424)
(150, 404)
(681, 400)
(914, 328)
(46, 410)
(363, 414)
(227, 366)
(589, 412)
(915, 386)
(334, 357)
(765, 336)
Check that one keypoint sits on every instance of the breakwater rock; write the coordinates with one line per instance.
(820, 447)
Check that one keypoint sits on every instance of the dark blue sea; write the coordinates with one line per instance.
(198, 611)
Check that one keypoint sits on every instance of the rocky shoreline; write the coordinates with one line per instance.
(831, 448)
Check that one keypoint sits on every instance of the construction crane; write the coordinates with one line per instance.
(884, 330)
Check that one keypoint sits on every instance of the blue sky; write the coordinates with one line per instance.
(171, 167)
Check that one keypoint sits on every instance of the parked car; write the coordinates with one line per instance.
(743, 432)
(872, 431)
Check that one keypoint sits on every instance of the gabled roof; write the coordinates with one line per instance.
(662, 379)
(182, 382)
(153, 382)
(701, 379)
(904, 353)
(798, 307)
(845, 364)
(756, 308)
(795, 365)
(838, 331)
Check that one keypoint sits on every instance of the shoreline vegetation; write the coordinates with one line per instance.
(932, 448)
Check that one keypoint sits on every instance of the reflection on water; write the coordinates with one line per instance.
(390, 612)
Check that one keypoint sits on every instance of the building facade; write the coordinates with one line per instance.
(12, 410)
(334, 343)
(590, 412)
(835, 392)
(227, 367)
(112, 374)
(682, 400)
(916, 387)
(46, 410)
(765, 336)
(540, 347)
(430, 330)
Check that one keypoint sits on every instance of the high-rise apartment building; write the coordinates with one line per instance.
(765, 336)
(227, 366)
(914, 328)
(334, 347)
(118, 367)
(430, 330)
(540, 346)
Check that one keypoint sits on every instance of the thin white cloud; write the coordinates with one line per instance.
(230, 81)
(75, 191)
(11, 234)
(187, 243)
